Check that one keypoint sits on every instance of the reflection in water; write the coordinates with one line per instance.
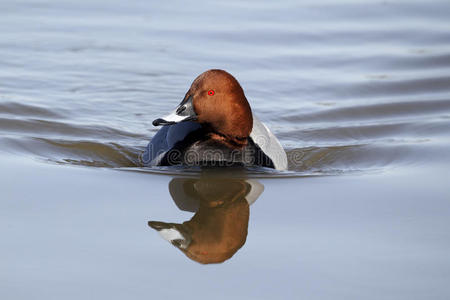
(219, 227)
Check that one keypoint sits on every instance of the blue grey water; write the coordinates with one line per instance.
(358, 93)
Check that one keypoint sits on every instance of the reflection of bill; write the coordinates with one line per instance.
(219, 227)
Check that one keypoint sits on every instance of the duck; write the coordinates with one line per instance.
(219, 227)
(214, 126)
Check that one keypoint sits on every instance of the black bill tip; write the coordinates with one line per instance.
(160, 121)
(158, 225)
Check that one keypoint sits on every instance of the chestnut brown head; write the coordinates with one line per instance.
(216, 100)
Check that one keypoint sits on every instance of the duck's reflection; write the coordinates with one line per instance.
(219, 227)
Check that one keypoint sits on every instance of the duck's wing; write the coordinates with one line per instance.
(269, 144)
(157, 147)
(165, 139)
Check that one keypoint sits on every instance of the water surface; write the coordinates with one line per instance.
(357, 92)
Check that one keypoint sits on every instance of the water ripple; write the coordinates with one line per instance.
(347, 86)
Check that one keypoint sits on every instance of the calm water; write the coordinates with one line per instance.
(358, 93)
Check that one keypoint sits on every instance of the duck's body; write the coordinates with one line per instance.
(214, 126)
(188, 143)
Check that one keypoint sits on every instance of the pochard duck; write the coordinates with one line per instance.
(214, 126)
(220, 224)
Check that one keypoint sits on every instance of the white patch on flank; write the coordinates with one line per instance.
(269, 144)
(255, 191)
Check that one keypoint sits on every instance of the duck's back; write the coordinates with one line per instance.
(176, 136)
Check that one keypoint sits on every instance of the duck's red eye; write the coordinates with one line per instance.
(210, 93)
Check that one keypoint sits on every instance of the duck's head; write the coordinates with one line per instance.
(217, 101)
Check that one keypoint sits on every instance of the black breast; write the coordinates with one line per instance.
(199, 150)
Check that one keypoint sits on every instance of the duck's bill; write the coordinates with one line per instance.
(184, 112)
(172, 233)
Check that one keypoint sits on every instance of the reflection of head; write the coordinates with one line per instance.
(219, 227)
